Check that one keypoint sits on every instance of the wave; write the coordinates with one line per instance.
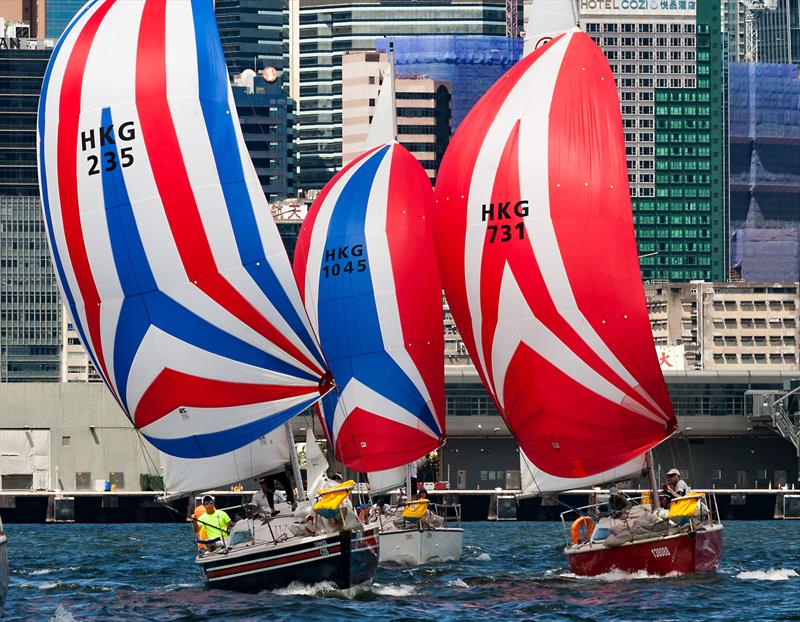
(457, 583)
(774, 574)
(49, 570)
(62, 615)
(618, 575)
(392, 590)
(296, 588)
(483, 557)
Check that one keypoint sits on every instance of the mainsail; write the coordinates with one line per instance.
(166, 253)
(366, 267)
(535, 241)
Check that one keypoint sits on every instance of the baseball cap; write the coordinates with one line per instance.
(674, 472)
(208, 499)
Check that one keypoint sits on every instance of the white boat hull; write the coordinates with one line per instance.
(414, 546)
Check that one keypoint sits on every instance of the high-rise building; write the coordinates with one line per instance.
(470, 64)
(30, 310)
(59, 14)
(779, 32)
(764, 31)
(726, 326)
(671, 76)
(254, 33)
(422, 104)
(266, 116)
(29, 12)
(765, 171)
(329, 28)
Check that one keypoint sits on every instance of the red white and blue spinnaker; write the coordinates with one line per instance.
(367, 272)
(163, 242)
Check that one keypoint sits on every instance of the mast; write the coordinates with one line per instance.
(301, 493)
(651, 474)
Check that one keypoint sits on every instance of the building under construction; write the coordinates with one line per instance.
(765, 171)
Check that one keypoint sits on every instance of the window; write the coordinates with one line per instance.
(716, 474)
(66, 441)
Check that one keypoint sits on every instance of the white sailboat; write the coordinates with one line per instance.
(365, 252)
(176, 278)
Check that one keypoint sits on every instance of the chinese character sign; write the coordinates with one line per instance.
(670, 357)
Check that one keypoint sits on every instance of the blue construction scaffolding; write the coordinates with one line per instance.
(471, 63)
(765, 171)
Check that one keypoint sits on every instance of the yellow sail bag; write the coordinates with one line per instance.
(330, 499)
(685, 506)
(415, 510)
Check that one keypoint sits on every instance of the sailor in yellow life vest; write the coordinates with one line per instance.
(214, 522)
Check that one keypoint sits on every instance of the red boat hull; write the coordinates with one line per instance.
(683, 553)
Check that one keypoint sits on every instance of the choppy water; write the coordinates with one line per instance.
(509, 571)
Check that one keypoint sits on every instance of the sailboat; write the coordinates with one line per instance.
(366, 269)
(174, 273)
(536, 248)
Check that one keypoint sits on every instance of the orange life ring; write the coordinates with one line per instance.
(582, 529)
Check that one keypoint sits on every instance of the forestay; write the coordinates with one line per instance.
(367, 271)
(535, 241)
(162, 239)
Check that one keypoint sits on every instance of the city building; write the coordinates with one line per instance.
(330, 28)
(289, 215)
(76, 366)
(726, 326)
(422, 104)
(765, 171)
(778, 32)
(30, 308)
(671, 76)
(27, 12)
(58, 15)
(470, 64)
(253, 33)
(266, 116)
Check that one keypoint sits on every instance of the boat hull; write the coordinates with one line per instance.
(680, 553)
(414, 547)
(345, 559)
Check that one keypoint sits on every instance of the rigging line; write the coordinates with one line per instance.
(146, 455)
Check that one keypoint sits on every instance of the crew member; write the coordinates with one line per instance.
(674, 488)
(215, 522)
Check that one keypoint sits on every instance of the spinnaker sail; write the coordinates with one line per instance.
(535, 241)
(366, 268)
(165, 250)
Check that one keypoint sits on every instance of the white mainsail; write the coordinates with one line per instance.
(383, 128)
(384, 481)
(537, 482)
(267, 454)
(546, 19)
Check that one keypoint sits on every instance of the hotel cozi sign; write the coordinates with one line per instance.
(648, 7)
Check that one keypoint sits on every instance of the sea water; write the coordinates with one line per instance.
(508, 571)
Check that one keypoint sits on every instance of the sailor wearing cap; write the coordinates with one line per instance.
(215, 522)
(674, 488)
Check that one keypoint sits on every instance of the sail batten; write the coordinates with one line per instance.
(532, 186)
(166, 252)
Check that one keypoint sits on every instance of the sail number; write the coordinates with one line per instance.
(344, 260)
(502, 211)
(105, 135)
(660, 551)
